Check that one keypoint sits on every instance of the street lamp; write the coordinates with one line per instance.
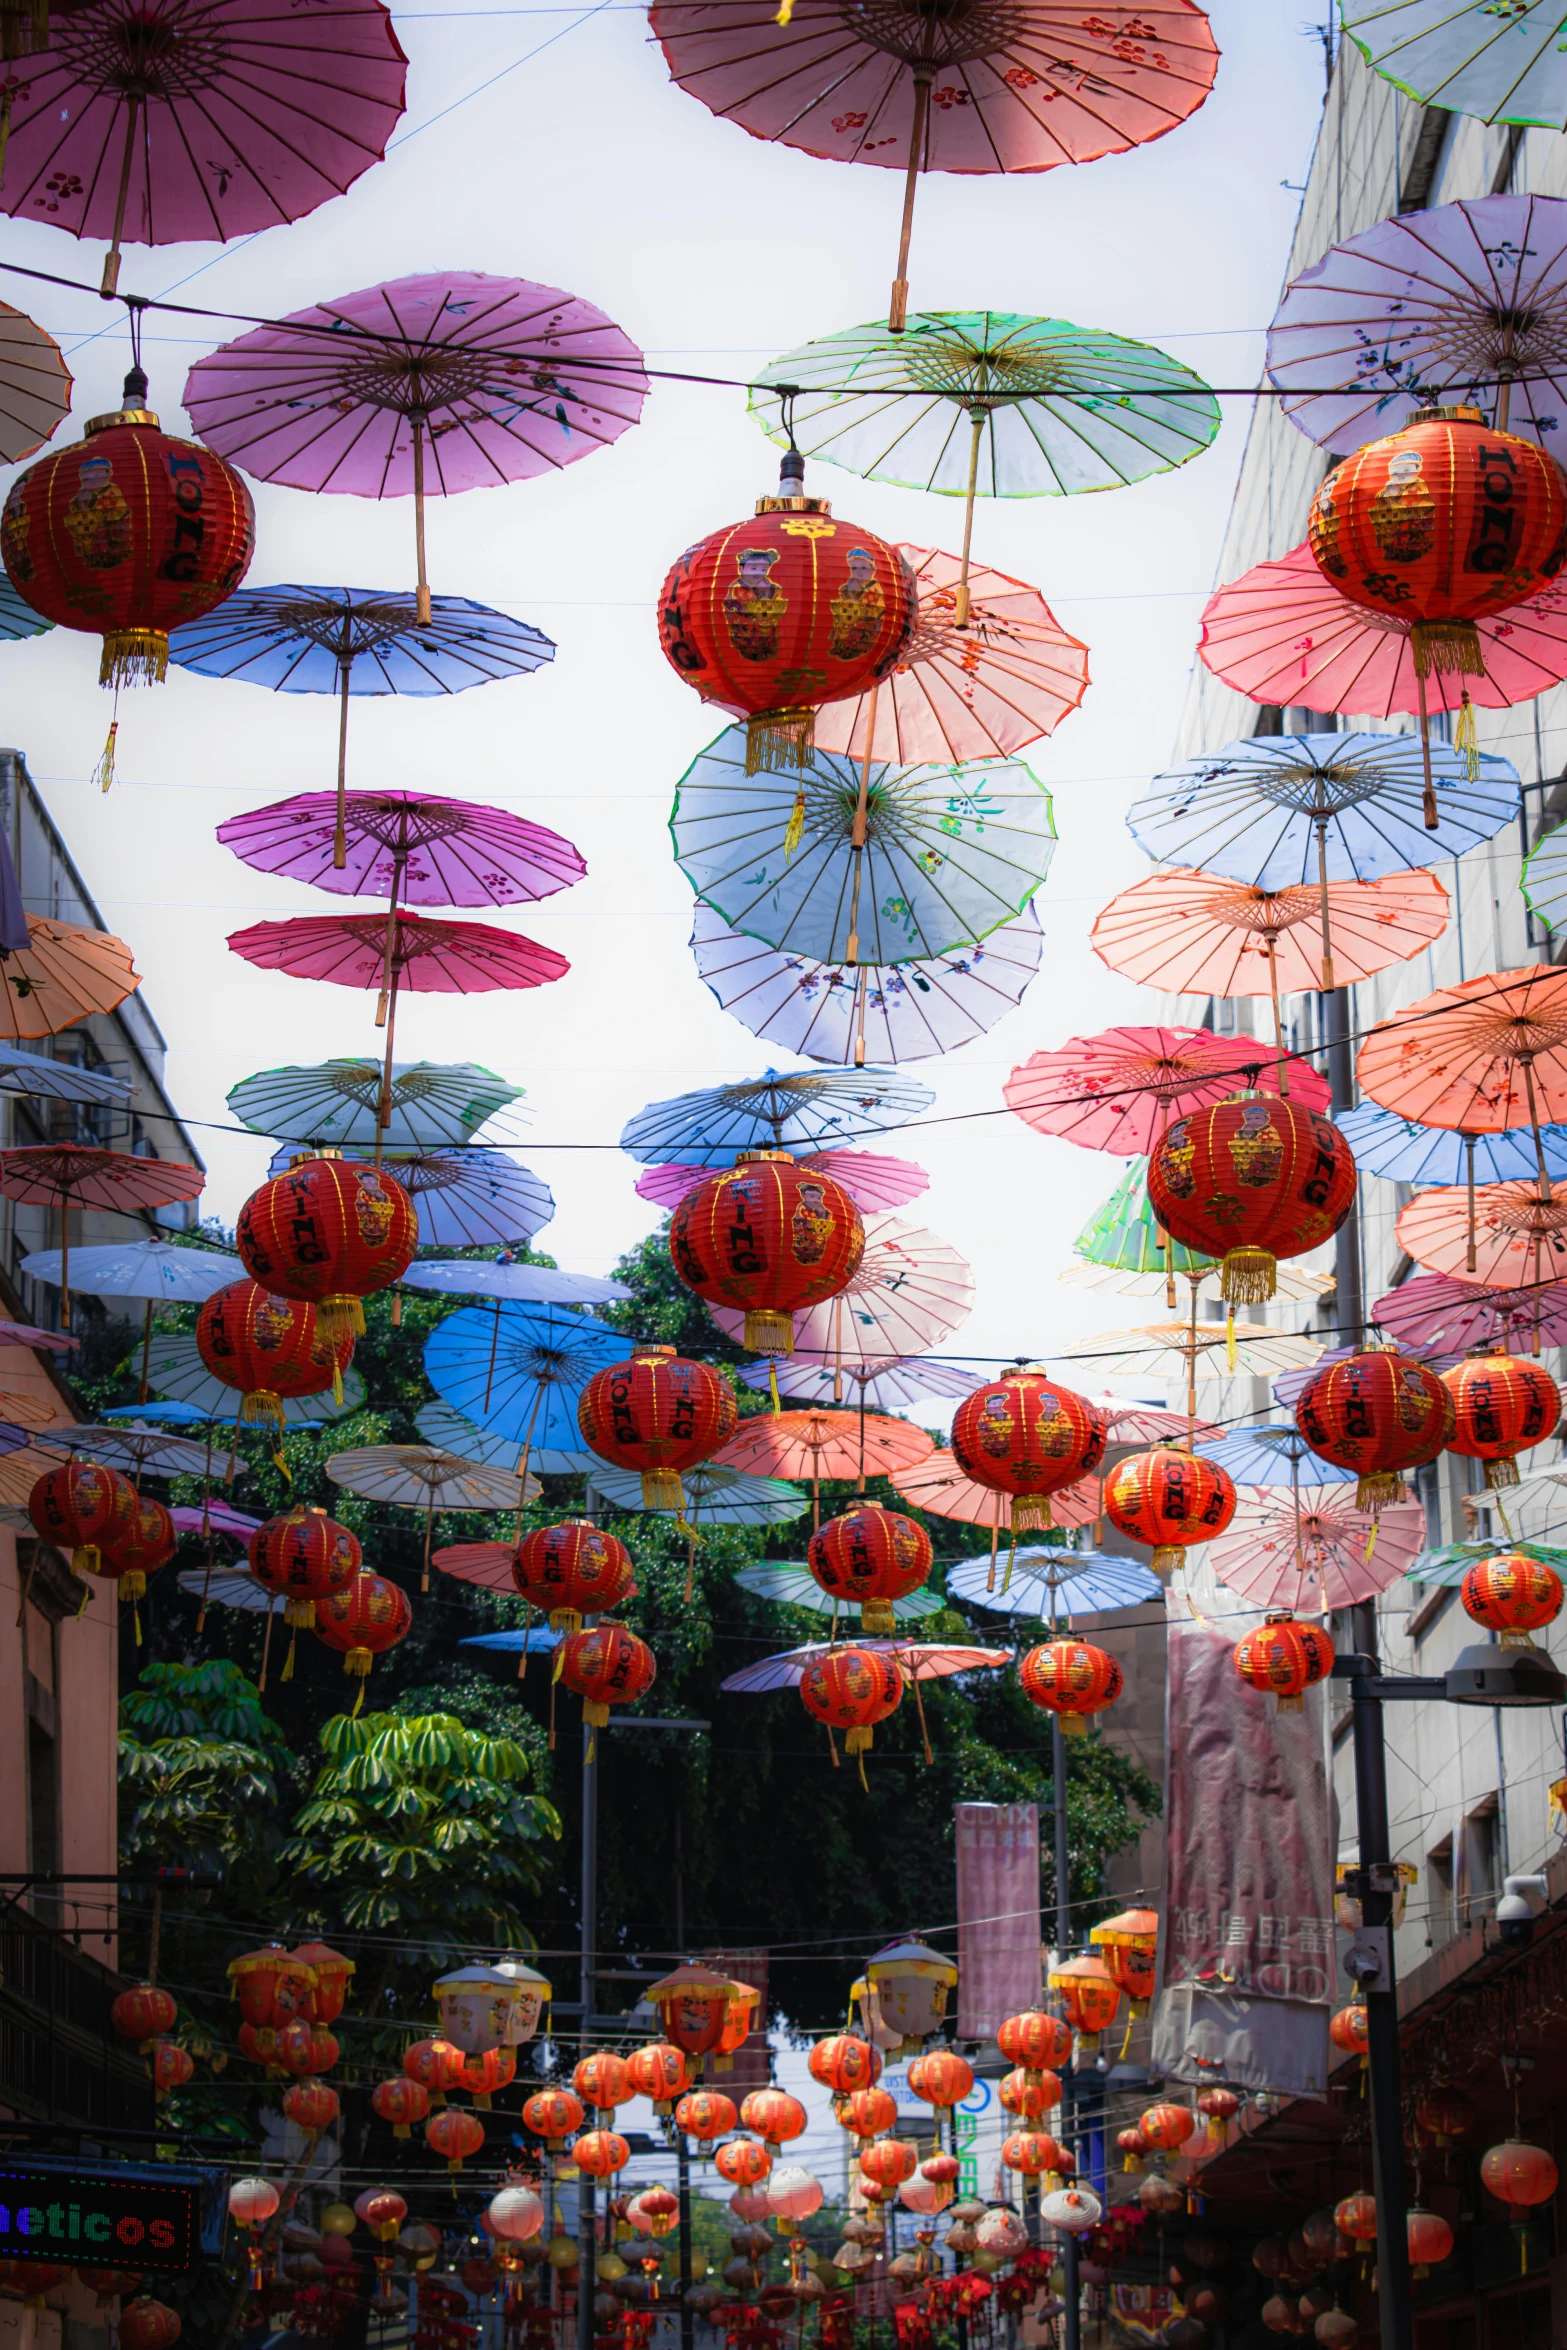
(1482, 1675)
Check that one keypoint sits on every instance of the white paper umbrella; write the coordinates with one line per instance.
(1054, 1582)
(780, 1110)
(918, 1661)
(851, 1014)
(227, 1587)
(884, 1386)
(715, 1496)
(950, 853)
(482, 1277)
(1329, 1555)
(453, 1431)
(1502, 60)
(153, 1270)
(911, 1292)
(58, 1081)
(175, 1369)
(432, 1102)
(798, 1587)
(422, 1477)
(1163, 1350)
(141, 1451)
(1292, 1282)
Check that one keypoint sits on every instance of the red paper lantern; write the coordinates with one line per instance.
(454, 2135)
(776, 615)
(312, 2106)
(658, 1414)
(767, 1237)
(743, 2162)
(1167, 2127)
(887, 2162)
(868, 2114)
(1377, 1413)
(306, 1556)
(1251, 1179)
(852, 1689)
(138, 1550)
(482, 2075)
(1286, 1657)
(80, 1506)
(603, 2081)
(142, 2014)
(1036, 2040)
(659, 2071)
(1356, 2217)
(362, 1621)
(435, 2065)
(145, 2324)
(1070, 1679)
(1441, 524)
(693, 2005)
(844, 2063)
(706, 2114)
(774, 2115)
(1503, 1405)
(329, 1976)
(1128, 1944)
(269, 1347)
(1169, 1499)
(172, 2066)
(940, 2078)
(383, 2211)
(110, 2283)
(552, 2114)
(1430, 2240)
(1350, 2029)
(1088, 1994)
(1518, 2174)
(1219, 2107)
(1027, 1436)
(1133, 2147)
(1445, 2115)
(304, 2048)
(605, 1666)
(870, 1557)
(600, 2153)
(272, 1985)
(1030, 2095)
(571, 1570)
(402, 2103)
(126, 534)
(1512, 1595)
(329, 1232)
(34, 2278)
(1032, 2153)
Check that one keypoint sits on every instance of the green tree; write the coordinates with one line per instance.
(201, 1768)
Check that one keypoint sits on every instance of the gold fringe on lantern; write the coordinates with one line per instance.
(134, 656)
(340, 1315)
(1167, 1557)
(1378, 1489)
(301, 1613)
(857, 1741)
(260, 1404)
(1129, 2162)
(769, 1332)
(1031, 1513)
(1450, 645)
(86, 1559)
(1500, 1473)
(287, 1673)
(1073, 1725)
(1246, 1278)
(402, 2130)
(777, 740)
(594, 1714)
(132, 1583)
(877, 1620)
(358, 1661)
(1292, 1705)
(662, 1490)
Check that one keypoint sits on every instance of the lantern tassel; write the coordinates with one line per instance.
(134, 656)
(1466, 739)
(776, 742)
(1247, 1275)
(103, 773)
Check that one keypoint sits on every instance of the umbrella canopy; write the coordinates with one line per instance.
(1486, 1055)
(949, 853)
(18, 620)
(539, 1284)
(64, 1175)
(1465, 302)
(518, 1371)
(1503, 1234)
(1200, 934)
(431, 1102)
(449, 382)
(1402, 1152)
(1167, 1350)
(979, 692)
(35, 396)
(228, 1587)
(58, 1081)
(1282, 633)
(881, 1386)
(451, 1431)
(1118, 1089)
(1145, 1423)
(405, 845)
(195, 1518)
(817, 1445)
(175, 1369)
(1271, 1456)
(162, 124)
(155, 1270)
(464, 1198)
(488, 1564)
(715, 1495)
(1053, 1582)
(917, 1661)
(1126, 1254)
(422, 1477)
(65, 974)
(940, 1487)
(143, 1451)
(870, 1181)
(1313, 1549)
(25, 1334)
(798, 1587)
(783, 1109)
(1544, 878)
(432, 958)
(849, 1013)
(1442, 1318)
(1451, 1564)
(910, 1292)
(1504, 65)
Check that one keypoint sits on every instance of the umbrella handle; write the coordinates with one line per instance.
(111, 260)
(1469, 1173)
(1534, 1120)
(1278, 1025)
(1428, 803)
(1322, 891)
(383, 1108)
(977, 424)
(340, 835)
(898, 307)
(422, 595)
(65, 1258)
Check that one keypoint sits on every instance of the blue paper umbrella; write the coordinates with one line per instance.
(783, 1109)
(1273, 1456)
(797, 1587)
(1426, 1156)
(451, 1431)
(464, 1198)
(1262, 810)
(714, 1496)
(1053, 1582)
(517, 1371)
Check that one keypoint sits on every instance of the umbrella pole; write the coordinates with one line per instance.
(527, 1441)
(422, 595)
(208, 1530)
(857, 852)
(1469, 1176)
(109, 282)
(383, 1108)
(1428, 803)
(816, 1499)
(977, 424)
(146, 1349)
(1534, 1120)
(898, 307)
(65, 1258)
(995, 1537)
(1191, 1377)
(429, 1528)
(860, 1487)
(495, 1340)
(345, 670)
(1328, 982)
(1278, 1025)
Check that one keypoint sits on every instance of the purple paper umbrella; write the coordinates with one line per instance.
(468, 379)
(872, 1182)
(1442, 1318)
(405, 846)
(158, 121)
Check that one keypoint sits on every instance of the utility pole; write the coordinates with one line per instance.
(587, 2216)
(683, 2188)
(1348, 1302)
(1071, 2295)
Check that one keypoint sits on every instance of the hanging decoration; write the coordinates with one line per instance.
(1379, 1413)
(1070, 1679)
(269, 1348)
(80, 1507)
(1090, 1996)
(1027, 1436)
(870, 1558)
(659, 1414)
(572, 1569)
(362, 1621)
(1251, 1180)
(1129, 1943)
(769, 1237)
(329, 1233)
(1512, 1596)
(1285, 1657)
(605, 1666)
(852, 1689)
(1169, 1499)
(1502, 1407)
(705, 2115)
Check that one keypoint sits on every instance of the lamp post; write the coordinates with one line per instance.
(1071, 2290)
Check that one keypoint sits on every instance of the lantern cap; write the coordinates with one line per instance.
(911, 1958)
(463, 1975)
(133, 412)
(512, 1970)
(1460, 413)
(748, 1158)
(1132, 1925)
(689, 1977)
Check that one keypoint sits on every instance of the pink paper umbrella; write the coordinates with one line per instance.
(1313, 1548)
(478, 380)
(1119, 1089)
(1442, 1318)
(159, 121)
(67, 1175)
(1282, 633)
(395, 951)
(1506, 1235)
(979, 692)
(873, 1183)
(408, 845)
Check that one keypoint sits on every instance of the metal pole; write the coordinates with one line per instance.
(1348, 1297)
(1380, 1993)
(1070, 2323)
(587, 2254)
(587, 2222)
(683, 2174)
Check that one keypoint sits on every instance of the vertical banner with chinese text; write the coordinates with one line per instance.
(998, 1914)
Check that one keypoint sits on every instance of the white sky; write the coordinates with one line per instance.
(583, 166)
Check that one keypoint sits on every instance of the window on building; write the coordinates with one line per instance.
(1440, 1920)
(1481, 1858)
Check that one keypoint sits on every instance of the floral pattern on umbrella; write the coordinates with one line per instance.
(1118, 1089)
(1502, 63)
(1442, 1317)
(1503, 1235)
(1312, 1549)
(404, 845)
(783, 1109)
(433, 1103)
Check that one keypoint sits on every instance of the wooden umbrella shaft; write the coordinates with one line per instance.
(383, 1110)
(65, 1257)
(345, 669)
(422, 594)
(1469, 1172)
(1328, 982)
(146, 1348)
(859, 828)
(111, 260)
(898, 307)
(1428, 803)
(1534, 1120)
(977, 420)
(1278, 1024)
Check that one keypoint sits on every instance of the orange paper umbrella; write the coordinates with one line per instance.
(1478, 1058)
(938, 1485)
(65, 974)
(1199, 934)
(973, 693)
(1504, 1235)
(824, 1444)
(66, 1175)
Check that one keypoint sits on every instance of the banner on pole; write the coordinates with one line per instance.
(998, 1914)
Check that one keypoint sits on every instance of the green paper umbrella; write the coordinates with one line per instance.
(1121, 1252)
(1452, 1564)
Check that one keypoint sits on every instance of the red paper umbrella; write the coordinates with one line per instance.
(68, 1175)
(1119, 1089)
(1283, 634)
(978, 692)
(834, 1445)
(399, 950)
(1023, 88)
